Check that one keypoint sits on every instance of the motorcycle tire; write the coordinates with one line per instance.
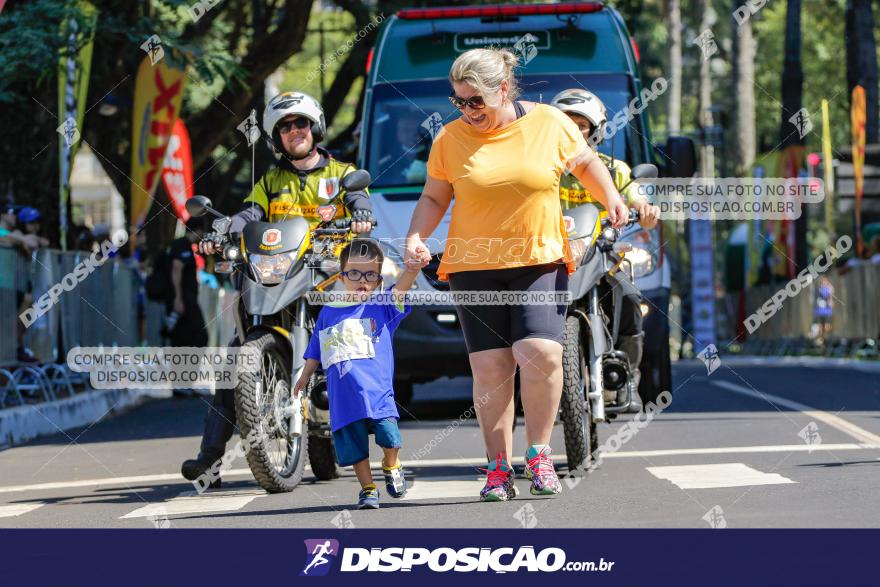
(280, 469)
(322, 458)
(656, 375)
(581, 435)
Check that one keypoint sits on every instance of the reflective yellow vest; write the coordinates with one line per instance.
(573, 193)
(283, 193)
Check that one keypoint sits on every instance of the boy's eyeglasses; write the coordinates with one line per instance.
(355, 275)
(475, 102)
(300, 123)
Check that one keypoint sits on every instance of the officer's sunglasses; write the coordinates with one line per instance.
(475, 102)
(299, 122)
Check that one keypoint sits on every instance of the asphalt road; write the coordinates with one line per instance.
(753, 444)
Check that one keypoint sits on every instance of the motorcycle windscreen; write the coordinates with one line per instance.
(269, 238)
(580, 221)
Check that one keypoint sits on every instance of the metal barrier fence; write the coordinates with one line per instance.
(102, 309)
(856, 313)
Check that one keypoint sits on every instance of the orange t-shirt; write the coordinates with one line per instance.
(506, 211)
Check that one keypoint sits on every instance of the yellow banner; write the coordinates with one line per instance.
(828, 166)
(158, 93)
(857, 118)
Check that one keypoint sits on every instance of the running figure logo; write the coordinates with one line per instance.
(317, 553)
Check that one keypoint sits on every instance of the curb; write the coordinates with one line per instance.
(24, 423)
(811, 362)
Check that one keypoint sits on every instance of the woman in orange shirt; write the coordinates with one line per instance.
(503, 159)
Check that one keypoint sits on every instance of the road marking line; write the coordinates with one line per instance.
(716, 476)
(844, 426)
(110, 481)
(476, 462)
(737, 450)
(443, 487)
(11, 511)
(190, 502)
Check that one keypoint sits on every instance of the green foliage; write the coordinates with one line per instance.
(823, 60)
(303, 71)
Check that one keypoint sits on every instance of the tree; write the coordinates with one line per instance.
(673, 109)
(861, 61)
(743, 131)
(231, 49)
(707, 161)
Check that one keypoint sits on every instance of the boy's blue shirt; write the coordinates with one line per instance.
(353, 343)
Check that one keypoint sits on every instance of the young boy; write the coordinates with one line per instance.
(352, 342)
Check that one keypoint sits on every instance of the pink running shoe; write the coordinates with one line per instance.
(539, 468)
(499, 482)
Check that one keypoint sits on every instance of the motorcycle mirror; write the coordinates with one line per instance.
(645, 171)
(356, 180)
(198, 205)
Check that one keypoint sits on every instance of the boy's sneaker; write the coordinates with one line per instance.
(499, 482)
(368, 499)
(539, 468)
(395, 480)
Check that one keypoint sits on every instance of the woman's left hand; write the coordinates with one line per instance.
(648, 215)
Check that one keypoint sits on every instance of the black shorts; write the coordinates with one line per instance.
(499, 326)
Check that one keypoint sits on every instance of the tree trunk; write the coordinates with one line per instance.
(861, 61)
(707, 160)
(792, 76)
(673, 106)
(744, 51)
(792, 133)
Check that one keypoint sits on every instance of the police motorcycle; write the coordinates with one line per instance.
(276, 264)
(597, 379)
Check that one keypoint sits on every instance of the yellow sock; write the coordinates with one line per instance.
(387, 468)
(369, 486)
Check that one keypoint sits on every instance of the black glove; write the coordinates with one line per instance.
(217, 238)
(364, 216)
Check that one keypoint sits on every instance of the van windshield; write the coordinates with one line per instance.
(403, 115)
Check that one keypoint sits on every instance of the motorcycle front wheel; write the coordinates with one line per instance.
(581, 436)
(276, 457)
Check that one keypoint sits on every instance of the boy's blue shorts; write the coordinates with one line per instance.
(352, 441)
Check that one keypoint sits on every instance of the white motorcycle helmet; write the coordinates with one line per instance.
(293, 103)
(587, 104)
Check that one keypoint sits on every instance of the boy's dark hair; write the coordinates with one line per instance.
(361, 247)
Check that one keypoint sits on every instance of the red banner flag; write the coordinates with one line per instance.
(177, 175)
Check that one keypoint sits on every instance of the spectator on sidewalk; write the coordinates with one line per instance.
(188, 328)
(824, 308)
(31, 222)
(10, 236)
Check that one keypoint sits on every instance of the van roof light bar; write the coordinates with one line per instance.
(499, 11)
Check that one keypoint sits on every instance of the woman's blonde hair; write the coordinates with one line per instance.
(485, 69)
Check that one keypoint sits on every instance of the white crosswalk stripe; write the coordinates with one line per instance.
(190, 502)
(11, 511)
(444, 487)
(716, 476)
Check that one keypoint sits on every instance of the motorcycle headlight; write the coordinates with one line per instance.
(271, 269)
(642, 261)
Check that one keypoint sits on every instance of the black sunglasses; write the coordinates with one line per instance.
(355, 275)
(300, 123)
(475, 102)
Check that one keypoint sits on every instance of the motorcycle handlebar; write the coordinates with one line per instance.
(633, 218)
